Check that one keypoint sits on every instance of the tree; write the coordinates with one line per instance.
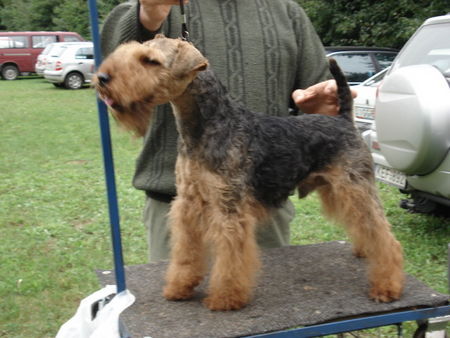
(13, 17)
(2, 6)
(369, 22)
(41, 14)
(48, 15)
(73, 16)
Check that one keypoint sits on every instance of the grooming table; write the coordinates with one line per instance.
(299, 286)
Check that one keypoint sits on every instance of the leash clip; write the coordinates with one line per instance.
(184, 32)
(184, 29)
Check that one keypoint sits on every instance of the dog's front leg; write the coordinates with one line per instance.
(236, 260)
(187, 263)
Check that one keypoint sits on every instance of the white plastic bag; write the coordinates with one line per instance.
(104, 309)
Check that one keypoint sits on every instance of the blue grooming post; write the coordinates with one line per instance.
(108, 160)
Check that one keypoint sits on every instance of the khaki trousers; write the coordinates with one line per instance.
(273, 234)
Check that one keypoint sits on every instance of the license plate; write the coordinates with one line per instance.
(364, 113)
(390, 176)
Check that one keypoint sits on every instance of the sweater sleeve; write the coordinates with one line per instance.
(312, 63)
(122, 25)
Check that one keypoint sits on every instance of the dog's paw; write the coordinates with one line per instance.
(217, 303)
(178, 293)
(387, 286)
(386, 294)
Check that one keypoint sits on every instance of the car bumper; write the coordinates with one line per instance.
(54, 76)
(436, 183)
(39, 71)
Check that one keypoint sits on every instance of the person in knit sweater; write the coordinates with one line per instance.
(267, 54)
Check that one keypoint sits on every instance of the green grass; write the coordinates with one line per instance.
(54, 222)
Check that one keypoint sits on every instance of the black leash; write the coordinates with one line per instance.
(184, 29)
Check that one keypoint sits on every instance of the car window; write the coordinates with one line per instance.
(71, 38)
(5, 42)
(17, 41)
(84, 53)
(430, 45)
(384, 59)
(57, 50)
(42, 41)
(357, 66)
(47, 50)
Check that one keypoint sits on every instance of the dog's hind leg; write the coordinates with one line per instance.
(187, 264)
(350, 198)
(236, 259)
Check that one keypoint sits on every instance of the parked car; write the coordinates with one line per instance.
(70, 65)
(19, 50)
(364, 103)
(410, 142)
(361, 63)
(42, 59)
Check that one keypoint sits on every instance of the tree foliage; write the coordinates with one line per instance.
(338, 22)
(50, 15)
(71, 16)
(370, 22)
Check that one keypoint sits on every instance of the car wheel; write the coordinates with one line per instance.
(423, 205)
(419, 204)
(10, 72)
(73, 81)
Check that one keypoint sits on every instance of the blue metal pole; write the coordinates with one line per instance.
(108, 161)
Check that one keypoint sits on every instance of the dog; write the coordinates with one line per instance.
(234, 166)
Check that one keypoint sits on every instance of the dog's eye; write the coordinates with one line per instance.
(149, 61)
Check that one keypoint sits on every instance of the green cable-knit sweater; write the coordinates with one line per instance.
(262, 50)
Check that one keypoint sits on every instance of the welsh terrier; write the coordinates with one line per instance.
(234, 166)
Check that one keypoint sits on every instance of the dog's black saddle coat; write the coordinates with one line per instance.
(271, 154)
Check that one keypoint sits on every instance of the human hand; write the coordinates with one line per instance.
(153, 12)
(320, 98)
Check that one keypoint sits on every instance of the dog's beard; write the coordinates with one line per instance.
(135, 120)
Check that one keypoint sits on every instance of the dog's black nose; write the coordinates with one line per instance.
(103, 78)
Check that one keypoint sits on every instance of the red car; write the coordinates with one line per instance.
(19, 50)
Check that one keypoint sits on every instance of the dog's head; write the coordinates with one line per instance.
(138, 76)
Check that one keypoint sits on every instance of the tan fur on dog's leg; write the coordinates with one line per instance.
(358, 208)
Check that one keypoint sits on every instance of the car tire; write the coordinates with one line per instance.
(419, 204)
(423, 205)
(10, 72)
(73, 81)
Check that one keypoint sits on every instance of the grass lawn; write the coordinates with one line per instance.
(54, 222)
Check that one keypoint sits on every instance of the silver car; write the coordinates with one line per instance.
(364, 103)
(410, 141)
(42, 59)
(70, 64)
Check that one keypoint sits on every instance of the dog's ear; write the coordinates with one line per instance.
(188, 60)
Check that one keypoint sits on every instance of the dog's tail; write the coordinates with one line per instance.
(343, 90)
